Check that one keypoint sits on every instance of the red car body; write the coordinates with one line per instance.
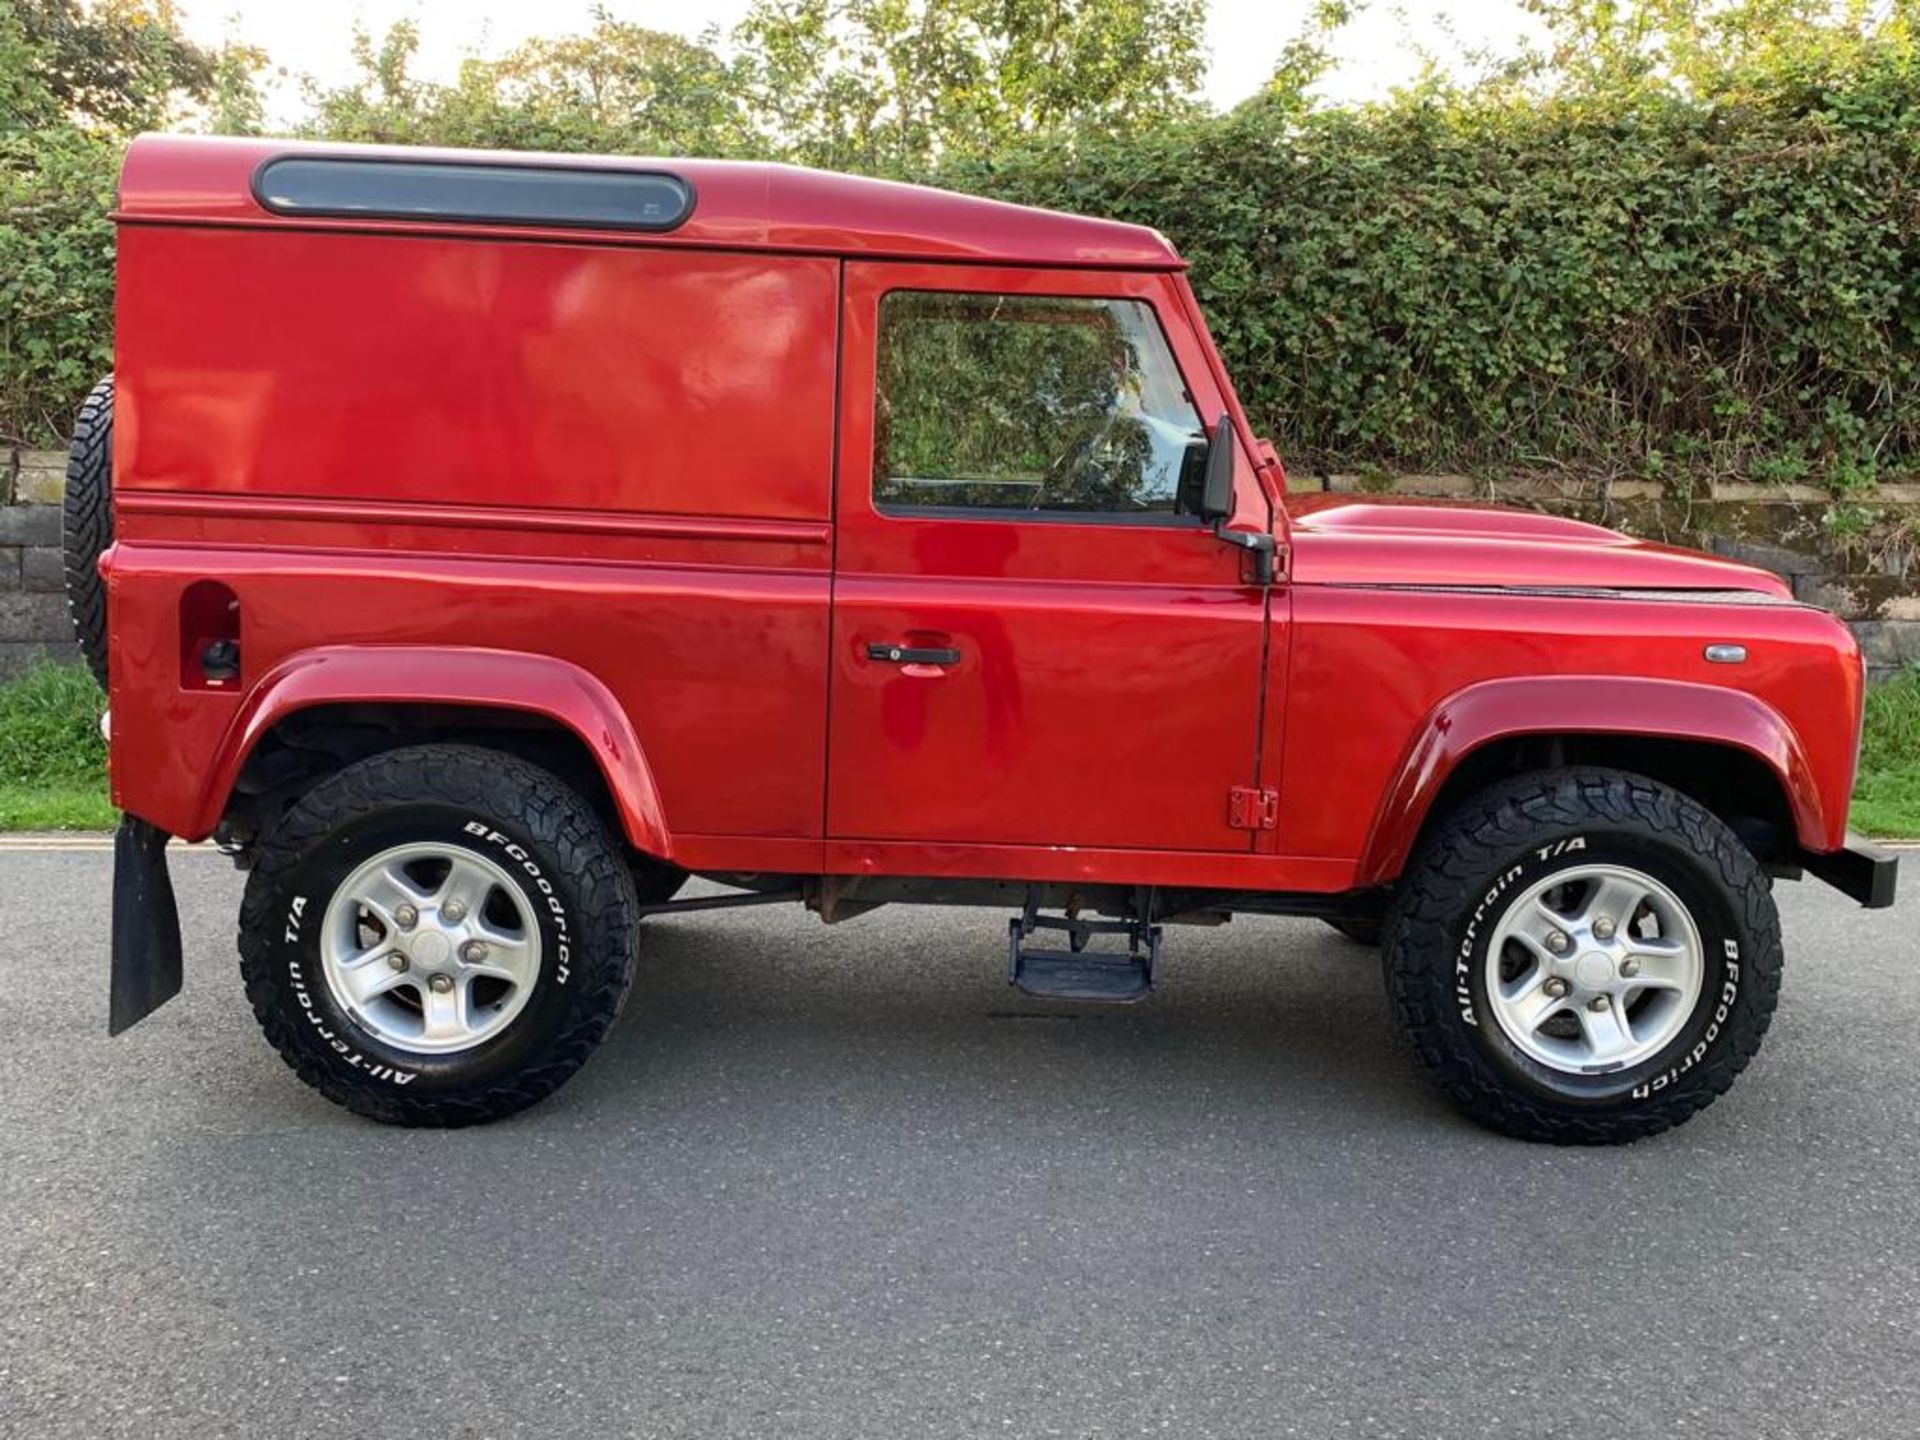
(617, 483)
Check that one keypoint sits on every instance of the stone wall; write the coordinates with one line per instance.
(33, 602)
(1871, 583)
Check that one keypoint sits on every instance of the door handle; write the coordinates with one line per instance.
(912, 654)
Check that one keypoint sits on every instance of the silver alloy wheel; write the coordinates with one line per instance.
(432, 947)
(1593, 969)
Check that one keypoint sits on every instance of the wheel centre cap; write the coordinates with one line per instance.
(430, 949)
(1593, 970)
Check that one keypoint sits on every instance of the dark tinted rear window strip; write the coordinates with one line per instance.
(478, 193)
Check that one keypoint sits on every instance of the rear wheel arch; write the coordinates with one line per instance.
(307, 746)
(321, 710)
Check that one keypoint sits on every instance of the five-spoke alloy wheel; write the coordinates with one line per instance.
(1582, 956)
(433, 948)
(1594, 968)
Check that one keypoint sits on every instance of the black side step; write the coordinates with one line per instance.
(1076, 973)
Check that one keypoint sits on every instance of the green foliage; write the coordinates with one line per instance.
(53, 762)
(876, 86)
(74, 80)
(1631, 280)
(886, 86)
(50, 728)
(56, 276)
(1887, 800)
(618, 89)
(114, 64)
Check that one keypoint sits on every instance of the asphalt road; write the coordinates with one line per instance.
(841, 1182)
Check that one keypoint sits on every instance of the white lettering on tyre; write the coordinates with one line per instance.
(1722, 1008)
(1463, 960)
(516, 852)
(296, 977)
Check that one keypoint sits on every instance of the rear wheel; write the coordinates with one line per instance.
(1583, 957)
(438, 935)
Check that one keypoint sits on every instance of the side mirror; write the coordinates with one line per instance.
(1216, 504)
(1216, 495)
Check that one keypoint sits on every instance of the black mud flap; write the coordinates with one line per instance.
(146, 926)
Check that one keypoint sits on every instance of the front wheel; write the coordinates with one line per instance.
(1583, 957)
(438, 935)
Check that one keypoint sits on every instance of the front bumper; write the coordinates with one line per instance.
(1857, 871)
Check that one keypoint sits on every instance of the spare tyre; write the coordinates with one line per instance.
(87, 524)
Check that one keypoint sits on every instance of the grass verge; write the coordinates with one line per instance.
(53, 764)
(1887, 799)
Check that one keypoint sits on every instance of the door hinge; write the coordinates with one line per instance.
(1249, 808)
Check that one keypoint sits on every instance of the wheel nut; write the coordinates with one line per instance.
(473, 952)
(1603, 928)
(1629, 968)
(396, 961)
(440, 984)
(406, 917)
(454, 910)
(1556, 988)
(1557, 942)
(1598, 1004)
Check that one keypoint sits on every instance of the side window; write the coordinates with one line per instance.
(1030, 403)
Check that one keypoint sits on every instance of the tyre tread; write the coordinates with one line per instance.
(86, 524)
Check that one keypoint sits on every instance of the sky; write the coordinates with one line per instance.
(1381, 49)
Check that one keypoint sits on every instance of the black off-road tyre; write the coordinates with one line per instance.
(1361, 932)
(86, 526)
(1510, 838)
(516, 815)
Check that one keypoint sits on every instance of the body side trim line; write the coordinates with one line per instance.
(478, 517)
(665, 240)
(1649, 594)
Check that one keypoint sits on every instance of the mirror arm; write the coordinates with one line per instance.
(1256, 543)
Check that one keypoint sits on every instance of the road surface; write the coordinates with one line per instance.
(841, 1182)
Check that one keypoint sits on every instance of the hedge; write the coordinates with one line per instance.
(1607, 285)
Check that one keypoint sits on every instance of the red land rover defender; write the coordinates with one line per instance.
(498, 540)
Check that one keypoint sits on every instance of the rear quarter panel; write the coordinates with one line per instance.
(616, 456)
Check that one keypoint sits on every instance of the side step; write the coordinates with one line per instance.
(1076, 973)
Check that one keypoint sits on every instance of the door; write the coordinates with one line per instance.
(1037, 641)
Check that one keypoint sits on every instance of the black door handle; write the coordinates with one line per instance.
(912, 654)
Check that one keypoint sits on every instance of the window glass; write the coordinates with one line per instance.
(1014, 402)
(503, 194)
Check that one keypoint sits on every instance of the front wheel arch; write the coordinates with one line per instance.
(1734, 784)
(1720, 747)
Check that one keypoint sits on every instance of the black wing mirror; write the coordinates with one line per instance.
(1216, 493)
(1216, 503)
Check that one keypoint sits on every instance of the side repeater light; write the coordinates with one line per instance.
(1726, 654)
